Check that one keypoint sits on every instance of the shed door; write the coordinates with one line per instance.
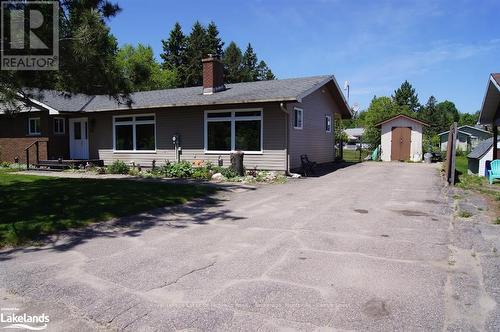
(401, 141)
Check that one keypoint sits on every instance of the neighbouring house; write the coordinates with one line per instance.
(467, 139)
(490, 116)
(354, 137)
(477, 159)
(401, 138)
(272, 122)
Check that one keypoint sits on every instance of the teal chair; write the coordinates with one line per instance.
(494, 172)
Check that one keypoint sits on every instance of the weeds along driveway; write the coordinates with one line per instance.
(365, 247)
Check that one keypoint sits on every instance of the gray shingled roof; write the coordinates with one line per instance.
(251, 92)
(481, 149)
(60, 101)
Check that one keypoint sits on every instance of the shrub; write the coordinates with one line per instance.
(228, 172)
(202, 173)
(118, 167)
(5, 164)
(182, 169)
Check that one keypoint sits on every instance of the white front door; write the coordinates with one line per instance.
(78, 138)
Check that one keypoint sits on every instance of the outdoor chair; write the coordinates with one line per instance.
(494, 172)
(307, 165)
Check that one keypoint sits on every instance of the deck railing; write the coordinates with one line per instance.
(37, 149)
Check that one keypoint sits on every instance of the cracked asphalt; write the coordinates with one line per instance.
(373, 246)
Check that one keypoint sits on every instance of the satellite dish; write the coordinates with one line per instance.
(346, 85)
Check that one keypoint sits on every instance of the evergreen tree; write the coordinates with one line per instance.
(174, 48)
(263, 72)
(406, 97)
(232, 63)
(249, 65)
(214, 42)
(196, 50)
(87, 53)
(174, 54)
(430, 115)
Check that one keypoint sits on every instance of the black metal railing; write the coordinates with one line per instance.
(37, 150)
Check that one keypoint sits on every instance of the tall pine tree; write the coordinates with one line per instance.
(249, 65)
(196, 50)
(214, 42)
(263, 72)
(232, 63)
(174, 48)
(406, 98)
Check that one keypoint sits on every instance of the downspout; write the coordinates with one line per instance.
(287, 139)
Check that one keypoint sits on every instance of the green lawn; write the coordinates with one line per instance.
(353, 155)
(461, 164)
(33, 206)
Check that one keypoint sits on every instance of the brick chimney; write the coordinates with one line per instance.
(213, 75)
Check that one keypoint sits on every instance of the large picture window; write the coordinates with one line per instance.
(134, 133)
(233, 130)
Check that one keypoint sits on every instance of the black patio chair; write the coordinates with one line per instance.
(307, 165)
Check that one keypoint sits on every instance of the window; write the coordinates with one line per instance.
(235, 130)
(134, 133)
(34, 126)
(298, 118)
(328, 123)
(59, 126)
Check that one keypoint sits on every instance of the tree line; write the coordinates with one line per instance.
(182, 54)
(404, 100)
(91, 62)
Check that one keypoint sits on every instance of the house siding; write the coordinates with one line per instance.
(416, 138)
(312, 139)
(188, 123)
(14, 137)
(464, 142)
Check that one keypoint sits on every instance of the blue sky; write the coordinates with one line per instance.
(444, 48)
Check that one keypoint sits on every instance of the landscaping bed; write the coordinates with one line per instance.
(205, 171)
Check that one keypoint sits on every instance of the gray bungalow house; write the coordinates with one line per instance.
(272, 122)
(467, 139)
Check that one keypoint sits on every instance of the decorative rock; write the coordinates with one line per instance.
(217, 177)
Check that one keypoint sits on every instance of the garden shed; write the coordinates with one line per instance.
(401, 138)
(479, 156)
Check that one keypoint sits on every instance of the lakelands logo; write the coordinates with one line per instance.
(23, 321)
(30, 35)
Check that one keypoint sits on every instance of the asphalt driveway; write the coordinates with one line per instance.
(371, 246)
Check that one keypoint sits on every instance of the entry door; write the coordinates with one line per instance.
(401, 142)
(78, 138)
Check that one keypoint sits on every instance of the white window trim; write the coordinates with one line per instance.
(233, 120)
(134, 122)
(33, 133)
(301, 117)
(63, 126)
(329, 117)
